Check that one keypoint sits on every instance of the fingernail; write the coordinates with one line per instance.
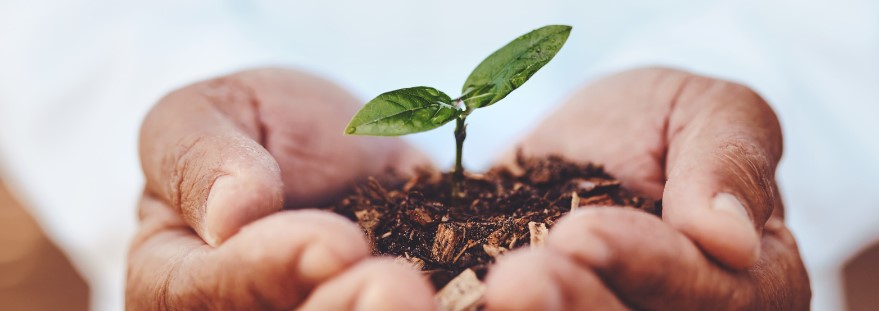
(212, 223)
(211, 238)
(318, 263)
(730, 204)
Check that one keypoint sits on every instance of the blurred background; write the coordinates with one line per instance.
(77, 76)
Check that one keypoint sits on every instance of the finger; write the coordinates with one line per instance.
(646, 262)
(618, 122)
(724, 145)
(544, 280)
(376, 284)
(305, 118)
(272, 264)
(652, 266)
(230, 150)
(207, 162)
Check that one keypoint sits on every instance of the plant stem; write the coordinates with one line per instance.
(458, 172)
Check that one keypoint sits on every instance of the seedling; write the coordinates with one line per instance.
(422, 108)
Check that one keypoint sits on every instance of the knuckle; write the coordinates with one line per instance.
(299, 230)
(612, 230)
(154, 290)
(750, 173)
(188, 184)
(604, 222)
(318, 221)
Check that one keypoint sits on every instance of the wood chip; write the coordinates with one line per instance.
(464, 292)
(420, 216)
(597, 200)
(476, 176)
(585, 185)
(575, 201)
(367, 219)
(513, 242)
(493, 250)
(464, 249)
(497, 237)
(589, 185)
(411, 183)
(448, 237)
(414, 262)
(538, 234)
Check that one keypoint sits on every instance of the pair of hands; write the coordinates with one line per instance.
(222, 158)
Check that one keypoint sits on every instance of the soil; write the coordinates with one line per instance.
(420, 222)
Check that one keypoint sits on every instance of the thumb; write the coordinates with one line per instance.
(724, 143)
(200, 153)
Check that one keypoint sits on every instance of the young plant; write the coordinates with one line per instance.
(422, 108)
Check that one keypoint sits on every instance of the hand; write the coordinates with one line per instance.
(709, 150)
(221, 159)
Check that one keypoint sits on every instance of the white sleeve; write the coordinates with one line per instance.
(71, 106)
(816, 63)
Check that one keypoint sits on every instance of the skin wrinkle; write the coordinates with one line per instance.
(668, 132)
(301, 289)
(743, 158)
(770, 295)
(705, 114)
(734, 151)
(600, 271)
(192, 292)
(178, 150)
(606, 232)
(231, 93)
(200, 295)
(302, 157)
(164, 298)
(175, 180)
(779, 298)
(601, 282)
(163, 294)
(179, 181)
(614, 269)
(259, 299)
(255, 104)
(691, 90)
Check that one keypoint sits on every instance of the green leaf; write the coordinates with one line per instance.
(403, 111)
(509, 67)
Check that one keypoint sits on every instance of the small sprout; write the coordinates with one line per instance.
(421, 108)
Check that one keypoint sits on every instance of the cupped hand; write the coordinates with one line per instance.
(709, 150)
(222, 158)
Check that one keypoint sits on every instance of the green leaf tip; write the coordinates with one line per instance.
(403, 111)
(510, 66)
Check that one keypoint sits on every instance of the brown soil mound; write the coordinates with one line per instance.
(419, 222)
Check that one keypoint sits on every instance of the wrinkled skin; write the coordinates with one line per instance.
(222, 158)
(709, 150)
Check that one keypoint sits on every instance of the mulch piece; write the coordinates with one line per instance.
(418, 221)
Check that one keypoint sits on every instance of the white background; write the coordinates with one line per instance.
(76, 78)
